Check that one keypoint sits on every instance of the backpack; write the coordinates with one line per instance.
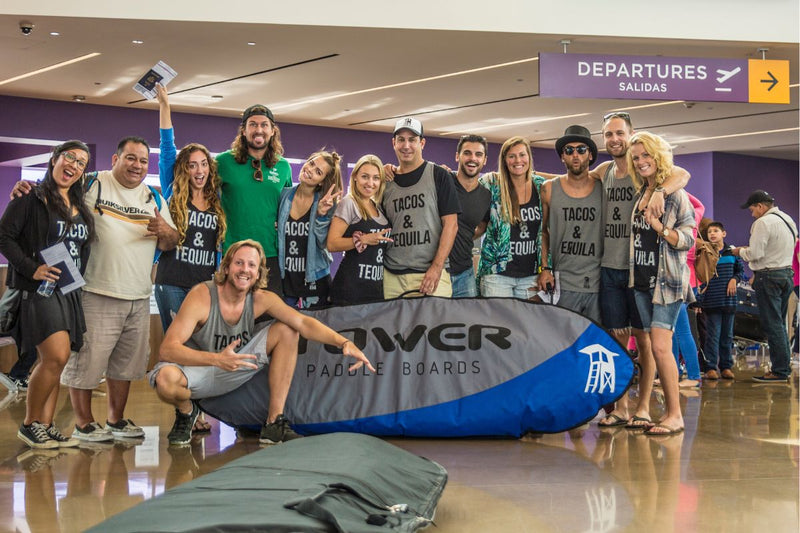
(705, 260)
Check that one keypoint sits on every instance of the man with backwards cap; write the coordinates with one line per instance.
(769, 254)
(252, 173)
(422, 206)
(572, 207)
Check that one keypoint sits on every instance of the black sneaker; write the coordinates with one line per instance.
(21, 383)
(278, 431)
(36, 436)
(62, 440)
(181, 432)
(769, 377)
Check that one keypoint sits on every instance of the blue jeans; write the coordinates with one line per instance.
(464, 284)
(773, 288)
(719, 338)
(507, 287)
(656, 315)
(683, 344)
(169, 299)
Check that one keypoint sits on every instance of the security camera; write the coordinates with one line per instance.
(26, 28)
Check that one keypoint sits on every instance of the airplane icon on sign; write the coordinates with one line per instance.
(725, 75)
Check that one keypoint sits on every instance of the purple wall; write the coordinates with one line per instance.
(721, 181)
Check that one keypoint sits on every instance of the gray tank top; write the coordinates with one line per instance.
(576, 242)
(620, 199)
(416, 225)
(216, 334)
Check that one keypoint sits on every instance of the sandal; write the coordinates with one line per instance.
(660, 430)
(639, 422)
(616, 421)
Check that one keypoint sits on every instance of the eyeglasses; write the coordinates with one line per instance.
(69, 157)
(624, 115)
(257, 175)
(582, 149)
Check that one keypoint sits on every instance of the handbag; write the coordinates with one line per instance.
(9, 311)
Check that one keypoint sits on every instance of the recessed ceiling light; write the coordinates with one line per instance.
(54, 33)
(251, 43)
(137, 41)
(217, 96)
(78, 98)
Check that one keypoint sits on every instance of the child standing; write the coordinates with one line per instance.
(719, 305)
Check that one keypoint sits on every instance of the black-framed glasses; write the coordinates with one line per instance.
(69, 157)
(258, 175)
(624, 115)
(582, 149)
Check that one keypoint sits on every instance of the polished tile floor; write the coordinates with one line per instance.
(734, 469)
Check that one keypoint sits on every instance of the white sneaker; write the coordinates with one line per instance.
(125, 429)
(92, 432)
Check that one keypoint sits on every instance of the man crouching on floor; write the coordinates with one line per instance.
(198, 357)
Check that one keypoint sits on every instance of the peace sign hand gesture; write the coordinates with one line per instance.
(328, 201)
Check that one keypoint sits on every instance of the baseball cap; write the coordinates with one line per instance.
(257, 109)
(757, 197)
(409, 123)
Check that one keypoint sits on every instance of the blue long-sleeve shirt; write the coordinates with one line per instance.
(715, 297)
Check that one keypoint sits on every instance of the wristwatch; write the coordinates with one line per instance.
(660, 189)
(665, 232)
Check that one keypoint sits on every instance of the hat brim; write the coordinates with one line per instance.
(565, 140)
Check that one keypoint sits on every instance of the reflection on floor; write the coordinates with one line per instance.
(734, 469)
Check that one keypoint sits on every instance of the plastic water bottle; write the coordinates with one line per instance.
(46, 288)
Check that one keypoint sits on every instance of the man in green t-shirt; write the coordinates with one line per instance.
(253, 172)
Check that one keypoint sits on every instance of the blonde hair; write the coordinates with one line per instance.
(659, 150)
(221, 275)
(181, 192)
(509, 204)
(360, 201)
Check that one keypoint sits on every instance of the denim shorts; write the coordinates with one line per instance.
(617, 303)
(656, 315)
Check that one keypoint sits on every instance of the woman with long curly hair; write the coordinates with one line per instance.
(52, 323)
(191, 184)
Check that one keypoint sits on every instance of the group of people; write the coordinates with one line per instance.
(611, 242)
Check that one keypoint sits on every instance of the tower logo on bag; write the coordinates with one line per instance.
(601, 369)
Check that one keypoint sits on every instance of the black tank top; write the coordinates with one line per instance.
(360, 275)
(196, 259)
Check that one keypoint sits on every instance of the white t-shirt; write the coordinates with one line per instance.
(121, 259)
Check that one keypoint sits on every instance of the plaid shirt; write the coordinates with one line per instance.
(672, 283)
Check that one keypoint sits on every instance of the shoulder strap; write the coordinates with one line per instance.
(787, 224)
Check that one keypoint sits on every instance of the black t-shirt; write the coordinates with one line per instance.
(524, 252)
(196, 259)
(77, 232)
(446, 196)
(474, 210)
(294, 283)
(645, 253)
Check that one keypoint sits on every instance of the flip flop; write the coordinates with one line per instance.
(669, 431)
(646, 423)
(615, 421)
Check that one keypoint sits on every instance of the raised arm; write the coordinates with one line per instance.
(168, 150)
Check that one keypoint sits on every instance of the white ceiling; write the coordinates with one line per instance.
(304, 72)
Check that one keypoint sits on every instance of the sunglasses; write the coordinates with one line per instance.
(257, 175)
(582, 149)
(69, 157)
(624, 115)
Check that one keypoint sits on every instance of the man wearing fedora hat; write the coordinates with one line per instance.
(253, 173)
(769, 254)
(572, 208)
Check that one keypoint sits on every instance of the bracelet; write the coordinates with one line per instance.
(344, 343)
(546, 268)
(660, 189)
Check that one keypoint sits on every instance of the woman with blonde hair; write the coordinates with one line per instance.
(191, 184)
(511, 254)
(360, 230)
(658, 270)
(304, 216)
